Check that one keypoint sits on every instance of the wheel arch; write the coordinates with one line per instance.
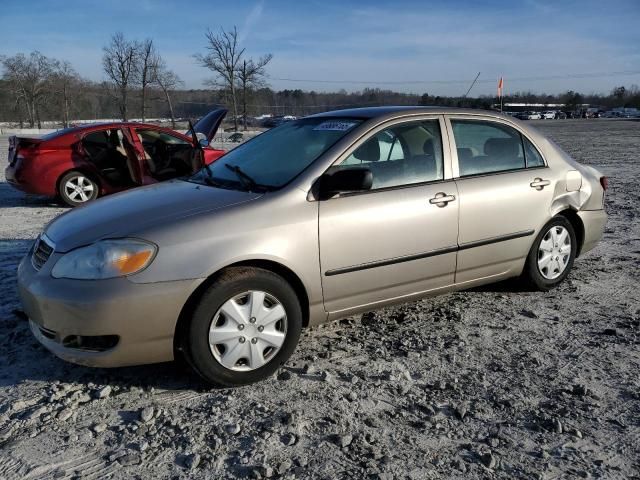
(80, 169)
(289, 275)
(576, 222)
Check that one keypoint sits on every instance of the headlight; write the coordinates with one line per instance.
(105, 259)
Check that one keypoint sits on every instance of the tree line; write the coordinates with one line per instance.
(138, 83)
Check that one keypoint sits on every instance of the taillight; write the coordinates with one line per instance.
(604, 181)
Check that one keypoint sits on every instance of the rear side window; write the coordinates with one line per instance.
(487, 147)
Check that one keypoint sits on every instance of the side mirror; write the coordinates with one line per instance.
(347, 180)
(202, 139)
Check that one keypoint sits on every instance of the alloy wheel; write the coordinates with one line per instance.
(247, 331)
(79, 188)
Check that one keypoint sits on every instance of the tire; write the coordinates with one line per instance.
(75, 188)
(546, 275)
(233, 292)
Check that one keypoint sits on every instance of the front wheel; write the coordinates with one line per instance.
(552, 254)
(76, 188)
(245, 326)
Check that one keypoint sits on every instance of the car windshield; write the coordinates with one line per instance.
(274, 158)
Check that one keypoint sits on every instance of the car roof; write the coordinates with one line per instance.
(400, 110)
(101, 125)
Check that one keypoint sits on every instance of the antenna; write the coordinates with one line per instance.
(472, 84)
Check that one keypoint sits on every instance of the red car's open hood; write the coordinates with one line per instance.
(209, 124)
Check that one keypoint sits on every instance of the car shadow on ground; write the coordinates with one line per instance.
(23, 358)
(27, 360)
(11, 198)
(511, 285)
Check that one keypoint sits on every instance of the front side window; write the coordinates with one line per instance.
(404, 154)
(274, 158)
(488, 147)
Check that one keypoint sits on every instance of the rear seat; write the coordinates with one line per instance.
(499, 154)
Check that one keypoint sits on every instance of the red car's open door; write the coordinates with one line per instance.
(197, 155)
(134, 157)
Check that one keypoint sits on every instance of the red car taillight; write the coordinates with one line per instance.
(604, 181)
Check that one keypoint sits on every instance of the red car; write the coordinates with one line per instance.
(80, 164)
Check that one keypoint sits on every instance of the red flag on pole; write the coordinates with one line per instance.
(500, 85)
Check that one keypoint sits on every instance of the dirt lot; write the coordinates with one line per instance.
(491, 383)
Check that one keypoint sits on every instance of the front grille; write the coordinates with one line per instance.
(42, 250)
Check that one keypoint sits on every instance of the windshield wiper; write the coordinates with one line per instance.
(248, 182)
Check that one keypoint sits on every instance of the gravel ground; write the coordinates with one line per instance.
(490, 383)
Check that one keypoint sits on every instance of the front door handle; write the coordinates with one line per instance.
(539, 183)
(441, 199)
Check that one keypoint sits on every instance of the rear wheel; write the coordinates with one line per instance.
(552, 254)
(76, 188)
(245, 326)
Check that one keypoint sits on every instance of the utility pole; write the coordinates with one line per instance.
(472, 84)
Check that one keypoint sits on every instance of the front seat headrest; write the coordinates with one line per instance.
(369, 151)
(502, 147)
(114, 141)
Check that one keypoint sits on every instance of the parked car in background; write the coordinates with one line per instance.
(548, 115)
(236, 137)
(80, 164)
(277, 120)
(318, 219)
(560, 115)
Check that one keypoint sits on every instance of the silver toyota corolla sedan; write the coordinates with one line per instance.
(317, 219)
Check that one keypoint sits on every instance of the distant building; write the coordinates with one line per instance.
(535, 107)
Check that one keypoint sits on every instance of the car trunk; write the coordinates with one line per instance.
(25, 144)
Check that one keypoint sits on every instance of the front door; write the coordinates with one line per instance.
(135, 158)
(399, 238)
(505, 191)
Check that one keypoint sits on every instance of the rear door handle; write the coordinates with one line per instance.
(539, 183)
(441, 199)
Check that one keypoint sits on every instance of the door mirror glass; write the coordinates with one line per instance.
(346, 180)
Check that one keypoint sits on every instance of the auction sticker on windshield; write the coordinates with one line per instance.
(335, 126)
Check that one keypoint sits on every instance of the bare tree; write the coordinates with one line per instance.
(30, 79)
(251, 75)
(120, 61)
(149, 60)
(66, 82)
(168, 81)
(223, 59)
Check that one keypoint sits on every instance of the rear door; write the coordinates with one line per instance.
(396, 239)
(505, 193)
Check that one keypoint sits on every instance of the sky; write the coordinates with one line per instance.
(436, 47)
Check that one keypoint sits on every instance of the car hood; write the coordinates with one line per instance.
(124, 214)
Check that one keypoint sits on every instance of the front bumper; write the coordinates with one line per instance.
(594, 222)
(140, 317)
